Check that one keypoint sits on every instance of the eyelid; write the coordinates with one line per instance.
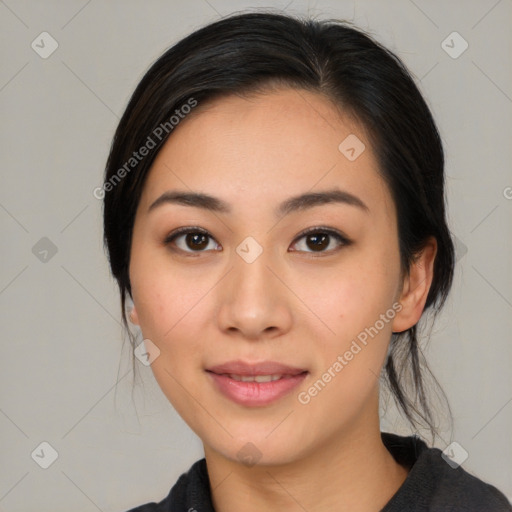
(342, 238)
(185, 230)
(322, 229)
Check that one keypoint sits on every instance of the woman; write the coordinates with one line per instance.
(274, 208)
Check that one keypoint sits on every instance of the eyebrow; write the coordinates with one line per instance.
(293, 204)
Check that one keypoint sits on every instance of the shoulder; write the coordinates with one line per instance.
(433, 484)
(190, 492)
(460, 490)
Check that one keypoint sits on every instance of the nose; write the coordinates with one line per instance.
(254, 302)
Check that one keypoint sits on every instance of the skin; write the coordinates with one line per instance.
(293, 304)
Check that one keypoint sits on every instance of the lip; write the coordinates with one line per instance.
(255, 394)
(253, 369)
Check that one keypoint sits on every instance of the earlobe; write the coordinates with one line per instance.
(133, 316)
(416, 286)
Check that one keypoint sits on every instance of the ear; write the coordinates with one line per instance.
(134, 317)
(415, 287)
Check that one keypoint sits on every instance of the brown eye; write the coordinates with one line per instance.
(319, 240)
(191, 240)
(196, 241)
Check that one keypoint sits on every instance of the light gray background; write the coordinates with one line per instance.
(62, 349)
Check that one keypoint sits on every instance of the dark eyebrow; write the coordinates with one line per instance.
(311, 199)
(293, 204)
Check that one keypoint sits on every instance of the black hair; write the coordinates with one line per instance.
(258, 51)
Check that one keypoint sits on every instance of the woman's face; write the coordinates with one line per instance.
(246, 285)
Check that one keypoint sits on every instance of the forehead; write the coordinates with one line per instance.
(267, 146)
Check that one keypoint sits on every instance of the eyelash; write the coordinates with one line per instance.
(343, 240)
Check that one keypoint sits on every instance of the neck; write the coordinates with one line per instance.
(354, 471)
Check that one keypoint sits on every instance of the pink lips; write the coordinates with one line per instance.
(264, 368)
(253, 394)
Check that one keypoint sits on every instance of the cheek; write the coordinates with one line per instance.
(162, 305)
(351, 301)
(159, 293)
(350, 295)
(351, 359)
(171, 307)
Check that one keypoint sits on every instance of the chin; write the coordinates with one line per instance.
(258, 451)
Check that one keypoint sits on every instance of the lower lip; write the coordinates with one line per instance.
(254, 394)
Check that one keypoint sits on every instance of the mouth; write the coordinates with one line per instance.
(255, 385)
(257, 378)
(264, 368)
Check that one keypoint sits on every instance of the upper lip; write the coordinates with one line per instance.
(252, 369)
